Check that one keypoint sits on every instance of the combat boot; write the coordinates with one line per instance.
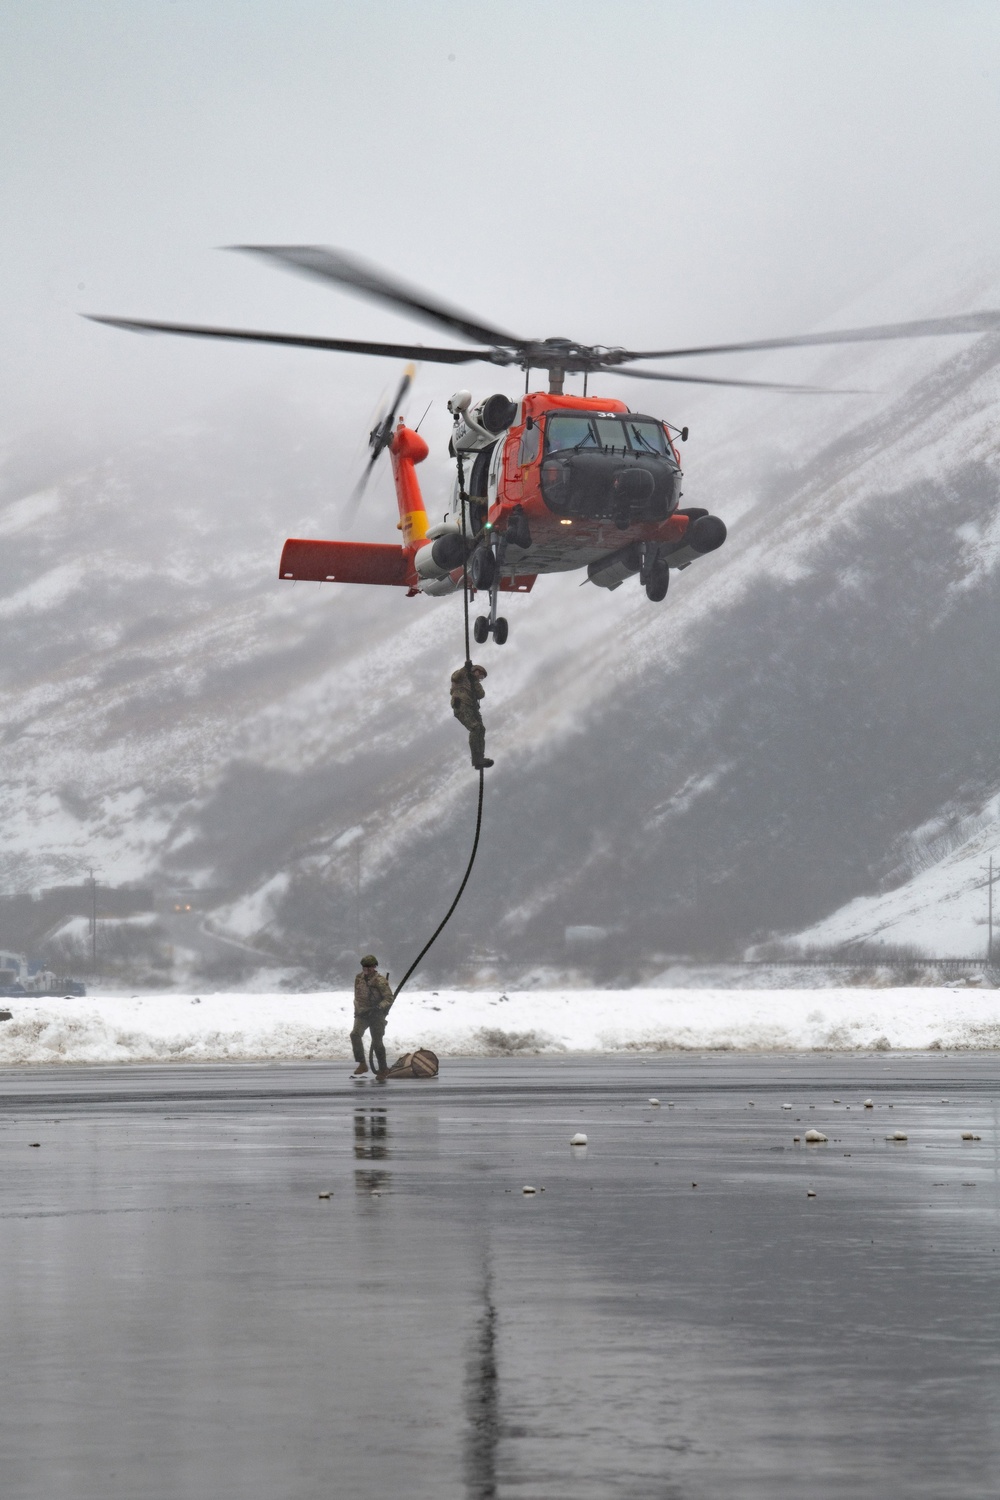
(361, 1068)
(482, 765)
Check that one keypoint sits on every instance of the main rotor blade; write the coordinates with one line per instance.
(762, 385)
(303, 341)
(981, 322)
(347, 270)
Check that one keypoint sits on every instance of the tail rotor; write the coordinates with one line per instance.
(378, 440)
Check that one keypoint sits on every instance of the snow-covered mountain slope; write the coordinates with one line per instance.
(942, 904)
(811, 711)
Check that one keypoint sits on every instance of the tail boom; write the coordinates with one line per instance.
(406, 450)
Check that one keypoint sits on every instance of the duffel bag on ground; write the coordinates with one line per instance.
(420, 1064)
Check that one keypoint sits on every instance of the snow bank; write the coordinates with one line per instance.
(219, 1028)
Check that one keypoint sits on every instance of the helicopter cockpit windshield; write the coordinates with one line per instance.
(602, 465)
(609, 434)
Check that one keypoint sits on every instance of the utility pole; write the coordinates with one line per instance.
(93, 920)
(993, 875)
(357, 894)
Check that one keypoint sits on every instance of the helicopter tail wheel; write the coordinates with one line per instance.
(480, 629)
(499, 631)
(482, 568)
(657, 582)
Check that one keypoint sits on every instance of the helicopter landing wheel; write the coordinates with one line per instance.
(657, 584)
(480, 629)
(482, 568)
(499, 630)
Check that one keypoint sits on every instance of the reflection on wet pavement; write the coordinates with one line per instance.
(482, 1431)
(371, 1143)
(190, 1318)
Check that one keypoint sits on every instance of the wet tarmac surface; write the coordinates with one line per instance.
(183, 1315)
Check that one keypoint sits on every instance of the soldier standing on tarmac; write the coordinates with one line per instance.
(466, 692)
(372, 1000)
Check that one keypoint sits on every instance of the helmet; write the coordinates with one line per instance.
(369, 961)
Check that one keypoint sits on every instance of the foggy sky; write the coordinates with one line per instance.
(628, 173)
(632, 173)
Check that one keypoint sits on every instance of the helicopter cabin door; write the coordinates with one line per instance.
(520, 453)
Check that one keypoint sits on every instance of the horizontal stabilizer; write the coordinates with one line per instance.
(344, 562)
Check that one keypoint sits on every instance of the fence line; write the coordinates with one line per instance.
(862, 963)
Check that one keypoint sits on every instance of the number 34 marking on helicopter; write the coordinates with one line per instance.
(545, 484)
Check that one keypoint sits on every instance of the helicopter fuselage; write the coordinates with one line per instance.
(588, 476)
(548, 484)
(556, 482)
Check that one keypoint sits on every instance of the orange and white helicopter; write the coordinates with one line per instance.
(546, 483)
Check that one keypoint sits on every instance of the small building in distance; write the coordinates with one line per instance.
(19, 977)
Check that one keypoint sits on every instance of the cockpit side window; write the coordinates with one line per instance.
(530, 443)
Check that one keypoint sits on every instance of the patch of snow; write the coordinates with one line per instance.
(246, 1027)
(48, 590)
(28, 511)
(247, 917)
(942, 907)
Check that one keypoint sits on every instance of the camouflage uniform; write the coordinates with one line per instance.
(372, 999)
(466, 693)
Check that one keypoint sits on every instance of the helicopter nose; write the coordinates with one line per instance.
(633, 485)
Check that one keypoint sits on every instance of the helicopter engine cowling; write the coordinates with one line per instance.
(480, 425)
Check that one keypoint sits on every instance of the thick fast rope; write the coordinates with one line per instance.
(463, 497)
(458, 894)
(479, 809)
